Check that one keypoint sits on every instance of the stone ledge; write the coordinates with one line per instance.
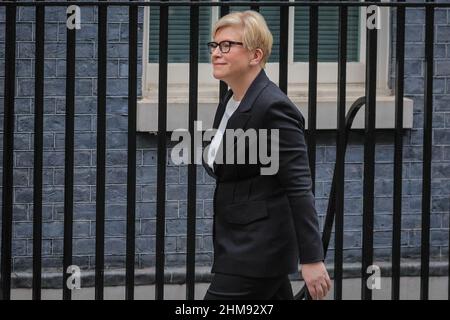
(116, 277)
(177, 113)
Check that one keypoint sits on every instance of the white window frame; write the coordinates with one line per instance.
(208, 86)
(178, 73)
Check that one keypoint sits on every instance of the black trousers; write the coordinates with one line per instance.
(233, 287)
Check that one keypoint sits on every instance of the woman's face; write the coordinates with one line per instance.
(229, 66)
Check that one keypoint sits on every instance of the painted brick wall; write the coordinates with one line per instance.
(117, 90)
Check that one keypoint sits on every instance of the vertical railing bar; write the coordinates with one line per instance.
(131, 171)
(398, 153)
(192, 166)
(38, 151)
(8, 152)
(69, 158)
(340, 152)
(101, 150)
(427, 142)
(369, 160)
(224, 10)
(255, 7)
(162, 151)
(283, 48)
(312, 90)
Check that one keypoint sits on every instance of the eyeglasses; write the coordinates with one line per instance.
(224, 46)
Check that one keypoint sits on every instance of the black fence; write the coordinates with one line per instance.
(336, 201)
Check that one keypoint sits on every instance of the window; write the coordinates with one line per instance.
(298, 64)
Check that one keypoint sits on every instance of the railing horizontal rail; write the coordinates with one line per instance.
(228, 4)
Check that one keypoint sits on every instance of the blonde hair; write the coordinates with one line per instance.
(256, 33)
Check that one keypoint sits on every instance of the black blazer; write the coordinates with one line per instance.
(265, 225)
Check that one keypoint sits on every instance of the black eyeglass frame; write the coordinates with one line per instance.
(213, 45)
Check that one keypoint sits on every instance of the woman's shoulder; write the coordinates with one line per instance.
(274, 102)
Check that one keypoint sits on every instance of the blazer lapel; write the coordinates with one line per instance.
(240, 117)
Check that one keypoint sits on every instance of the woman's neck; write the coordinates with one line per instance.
(241, 85)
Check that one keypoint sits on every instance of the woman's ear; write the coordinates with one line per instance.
(257, 56)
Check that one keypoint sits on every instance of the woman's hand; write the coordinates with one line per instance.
(317, 279)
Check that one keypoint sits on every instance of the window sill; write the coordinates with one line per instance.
(208, 97)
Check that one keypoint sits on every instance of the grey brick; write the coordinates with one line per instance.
(172, 174)
(443, 34)
(85, 50)
(148, 210)
(413, 67)
(22, 264)
(440, 187)
(22, 141)
(116, 193)
(115, 246)
(83, 87)
(117, 50)
(84, 211)
(84, 246)
(85, 140)
(20, 212)
(181, 244)
(52, 194)
(170, 244)
(117, 122)
(87, 33)
(84, 176)
(414, 33)
(384, 239)
(83, 158)
(352, 188)
(46, 247)
(116, 105)
(82, 194)
(440, 170)
(118, 14)
(442, 104)
(442, 68)
(23, 230)
(176, 227)
(116, 175)
(86, 68)
(145, 245)
(20, 177)
(146, 260)
(117, 87)
(414, 85)
(23, 195)
(177, 192)
(183, 209)
(439, 237)
(149, 193)
(204, 226)
(53, 229)
(19, 248)
(116, 140)
(150, 157)
(415, 16)
(24, 68)
(115, 228)
(148, 227)
(441, 136)
(113, 32)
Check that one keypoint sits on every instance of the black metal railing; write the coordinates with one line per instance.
(335, 211)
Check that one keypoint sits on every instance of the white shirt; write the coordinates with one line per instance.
(231, 107)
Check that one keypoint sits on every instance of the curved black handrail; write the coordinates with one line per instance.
(331, 210)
